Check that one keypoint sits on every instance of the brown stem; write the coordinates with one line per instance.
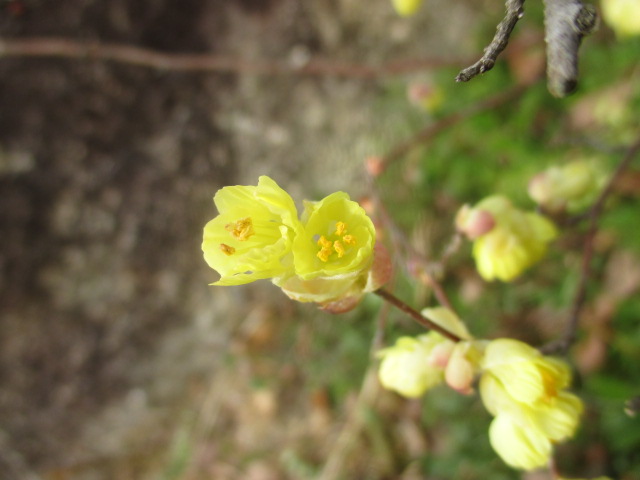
(40, 47)
(425, 322)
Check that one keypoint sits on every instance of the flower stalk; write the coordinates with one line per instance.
(425, 322)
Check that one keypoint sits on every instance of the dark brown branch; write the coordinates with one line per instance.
(189, 62)
(566, 23)
(562, 345)
(515, 11)
(425, 322)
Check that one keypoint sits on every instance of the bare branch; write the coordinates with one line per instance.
(515, 11)
(45, 47)
(425, 322)
(566, 23)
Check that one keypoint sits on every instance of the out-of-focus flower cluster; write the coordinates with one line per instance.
(571, 187)
(328, 256)
(524, 390)
(405, 8)
(414, 365)
(623, 16)
(507, 240)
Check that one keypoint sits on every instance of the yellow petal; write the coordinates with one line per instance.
(522, 448)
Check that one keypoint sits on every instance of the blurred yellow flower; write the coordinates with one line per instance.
(253, 233)
(507, 240)
(413, 365)
(524, 390)
(623, 16)
(570, 187)
(405, 367)
(406, 8)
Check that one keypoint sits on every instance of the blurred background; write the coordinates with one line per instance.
(119, 361)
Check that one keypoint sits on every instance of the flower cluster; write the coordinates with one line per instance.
(326, 256)
(414, 365)
(525, 391)
(507, 240)
(570, 187)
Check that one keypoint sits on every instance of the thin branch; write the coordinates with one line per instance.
(44, 47)
(515, 11)
(425, 322)
(561, 345)
(431, 130)
(420, 268)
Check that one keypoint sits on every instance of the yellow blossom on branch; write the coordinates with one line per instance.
(570, 187)
(333, 253)
(408, 367)
(329, 256)
(507, 240)
(253, 233)
(414, 365)
(525, 391)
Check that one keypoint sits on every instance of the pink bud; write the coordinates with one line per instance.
(459, 374)
(374, 165)
(474, 223)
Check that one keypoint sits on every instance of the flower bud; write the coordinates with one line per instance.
(570, 187)
(507, 240)
(474, 222)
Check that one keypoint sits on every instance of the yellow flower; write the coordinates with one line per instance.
(522, 373)
(337, 240)
(525, 392)
(413, 365)
(332, 253)
(405, 367)
(251, 237)
(569, 187)
(406, 8)
(510, 243)
(623, 16)
(327, 257)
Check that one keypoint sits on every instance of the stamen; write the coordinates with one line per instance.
(349, 239)
(227, 250)
(240, 230)
(341, 227)
(339, 248)
(325, 249)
